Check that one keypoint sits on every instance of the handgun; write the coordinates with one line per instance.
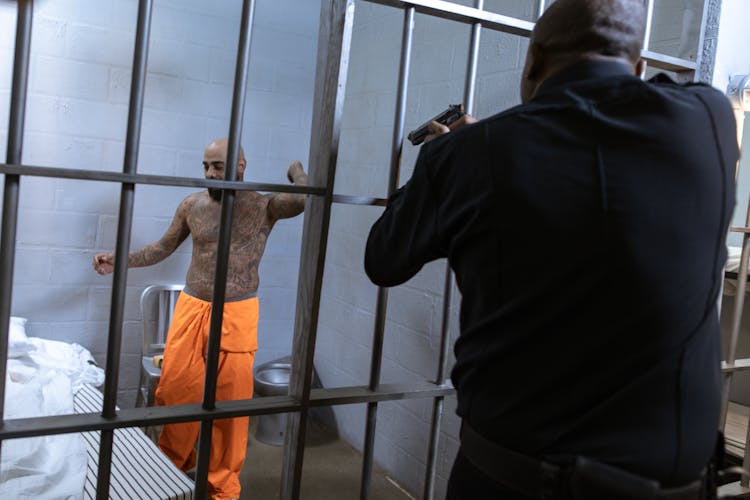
(450, 115)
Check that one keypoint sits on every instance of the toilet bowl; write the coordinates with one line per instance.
(272, 379)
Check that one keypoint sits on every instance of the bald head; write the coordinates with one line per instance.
(574, 30)
(223, 145)
(214, 163)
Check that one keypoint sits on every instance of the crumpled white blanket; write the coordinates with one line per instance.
(41, 379)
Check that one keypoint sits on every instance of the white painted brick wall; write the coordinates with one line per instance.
(77, 115)
(676, 27)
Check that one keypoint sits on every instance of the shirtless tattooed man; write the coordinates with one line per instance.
(184, 356)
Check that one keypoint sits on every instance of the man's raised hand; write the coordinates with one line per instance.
(295, 171)
(104, 263)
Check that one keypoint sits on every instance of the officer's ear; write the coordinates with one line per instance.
(536, 62)
(639, 69)
(533, 71)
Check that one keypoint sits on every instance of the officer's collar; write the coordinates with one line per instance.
(584, 70)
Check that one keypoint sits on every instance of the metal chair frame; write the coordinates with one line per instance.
(154, 338)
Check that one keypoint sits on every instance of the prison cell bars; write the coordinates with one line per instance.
(732, 364)
(382, 297)
(222, 253)
(438, 402)
(334, 42)
(12, 181)
(124, 225)
(333, 55)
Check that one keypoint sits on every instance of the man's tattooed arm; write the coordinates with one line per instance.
(104, 263)
(285, 205)
(167, 244)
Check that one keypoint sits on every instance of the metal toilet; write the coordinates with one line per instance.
(272, 379)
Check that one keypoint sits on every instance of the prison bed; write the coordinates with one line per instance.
(139, 469)
(47, 377)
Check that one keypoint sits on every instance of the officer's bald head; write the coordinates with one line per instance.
(574, 30)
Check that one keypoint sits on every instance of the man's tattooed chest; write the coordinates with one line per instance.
(249, 225)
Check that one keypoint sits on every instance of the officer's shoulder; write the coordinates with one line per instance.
(663, 81)
(454, 142)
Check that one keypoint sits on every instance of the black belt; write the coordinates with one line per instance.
(585, 479)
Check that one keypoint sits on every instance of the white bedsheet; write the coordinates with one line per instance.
(41, 379)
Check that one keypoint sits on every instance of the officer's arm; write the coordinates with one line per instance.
(407, 235)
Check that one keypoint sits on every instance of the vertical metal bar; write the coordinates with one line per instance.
(739, 303)
(372, 408)
(471, 65)
(706, 56)
(397, 142)
(119, 282)
(700, 49)
(12, 182)
(334, 44)
(438, 403)
(382, 298)
(744, 480)
(649, 22)
(647, 32)
(540, 9)
(437, 408)
(222, 253)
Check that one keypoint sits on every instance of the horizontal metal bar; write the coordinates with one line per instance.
(165, 180)
(505, 24)
(463, 14)
(134, 417)
(739, 365)
(668, 63)
(358, 200)
(157, 180)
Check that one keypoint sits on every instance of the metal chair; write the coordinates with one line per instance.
(157, 305)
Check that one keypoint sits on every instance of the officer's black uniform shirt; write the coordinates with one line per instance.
(586, 230)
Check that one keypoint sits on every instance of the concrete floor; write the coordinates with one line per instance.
(331, 471)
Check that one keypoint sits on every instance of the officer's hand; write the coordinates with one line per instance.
(104, 263)
(438, 129)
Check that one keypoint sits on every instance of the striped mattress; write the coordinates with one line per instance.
(139, 469)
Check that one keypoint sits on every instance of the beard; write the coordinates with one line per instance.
(215, 194)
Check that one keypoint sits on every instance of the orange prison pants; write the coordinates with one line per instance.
(182, 380)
